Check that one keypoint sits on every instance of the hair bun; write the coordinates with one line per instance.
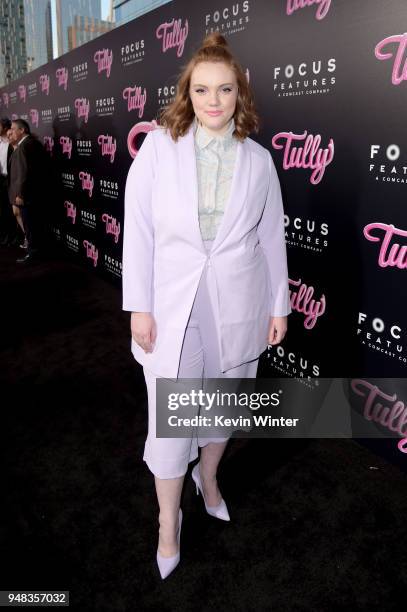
(214, 39)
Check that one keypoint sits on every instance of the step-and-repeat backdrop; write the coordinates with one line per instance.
(330, 82)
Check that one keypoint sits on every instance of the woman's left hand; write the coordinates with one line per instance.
(277, 329)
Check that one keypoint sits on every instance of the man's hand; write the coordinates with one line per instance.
(143, 330)
(277, 329)
(19, 201)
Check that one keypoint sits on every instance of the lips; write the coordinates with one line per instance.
(213, 113)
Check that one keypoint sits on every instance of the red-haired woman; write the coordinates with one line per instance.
(204, 263)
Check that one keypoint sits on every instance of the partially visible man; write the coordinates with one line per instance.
(26, 184)
(8, 228)
(16, 210)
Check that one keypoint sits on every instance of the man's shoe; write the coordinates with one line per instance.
(27, 258)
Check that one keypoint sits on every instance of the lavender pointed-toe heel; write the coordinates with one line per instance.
(167, 564)
(220, 511)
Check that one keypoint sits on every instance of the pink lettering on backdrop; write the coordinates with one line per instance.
(399, 73)
(82, 108)
(392, 416)
(34, 116)
(44, 82)
(402, 445)
(135, 99)
(62, 77)
(66, 144)
(108, 145)
(70, 210)
(48, 143)
(14, 116)
(294, 5)
(301, 301)
(22, 92)
(173, 35)
(6, 99)
(308, 156)
(91, 251)
(112, 226)
(104, 58)
(87, 182)
(142, 127)
(394, 256)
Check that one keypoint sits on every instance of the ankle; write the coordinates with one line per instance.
(168, 520)
(208, 479)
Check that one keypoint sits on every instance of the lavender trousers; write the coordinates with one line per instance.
(200, 358)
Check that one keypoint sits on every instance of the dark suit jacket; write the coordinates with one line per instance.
(27, 171)
(9, 154)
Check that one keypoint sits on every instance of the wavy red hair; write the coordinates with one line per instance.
(178, 116)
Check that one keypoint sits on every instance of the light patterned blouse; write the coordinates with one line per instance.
(215, 158)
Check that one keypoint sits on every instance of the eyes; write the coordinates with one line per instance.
(225, 89)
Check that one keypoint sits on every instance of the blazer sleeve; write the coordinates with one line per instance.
(138, 232)
(35, 168)
(22, 172)
(272, 240)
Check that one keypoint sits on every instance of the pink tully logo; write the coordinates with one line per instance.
(301, 301)
(70, 210)
(382, 408)
(390, 255)
(82, 106)
(48, 144)
(66, 144)
(135, 99)
(399, 41)
(173, 35)
(22, 92)
(142, 127)
(323, 8)
(91, 251)
(112, 226)
(87, 182)
(402, 445)
(308, 156)
(104, 59)
(108, 145)
(62, 77)
(44, 83)
(34, 116)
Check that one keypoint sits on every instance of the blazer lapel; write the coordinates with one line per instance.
(188, 177)
(237, 194)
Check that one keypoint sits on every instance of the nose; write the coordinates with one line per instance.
(213, 99)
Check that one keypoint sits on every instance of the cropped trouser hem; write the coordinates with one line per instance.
(178, 466)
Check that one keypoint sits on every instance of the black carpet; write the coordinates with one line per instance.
(313, 526)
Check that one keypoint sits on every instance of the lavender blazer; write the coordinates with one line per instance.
(164, 256)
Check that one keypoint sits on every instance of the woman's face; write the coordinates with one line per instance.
(213, 91)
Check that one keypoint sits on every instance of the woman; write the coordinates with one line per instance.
(204, 263)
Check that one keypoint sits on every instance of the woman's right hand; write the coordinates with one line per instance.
(143, 330)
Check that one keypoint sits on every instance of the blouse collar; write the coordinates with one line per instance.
(203, 138)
